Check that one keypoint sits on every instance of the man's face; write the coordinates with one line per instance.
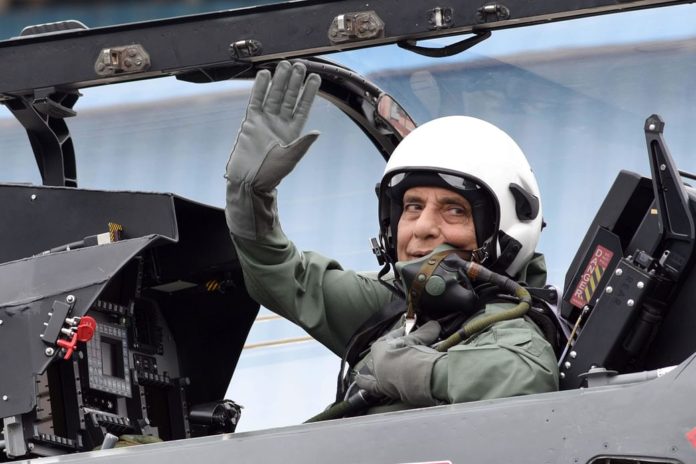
(433, 216)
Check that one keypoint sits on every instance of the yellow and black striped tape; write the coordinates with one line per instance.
(115, 231)
(595, 277)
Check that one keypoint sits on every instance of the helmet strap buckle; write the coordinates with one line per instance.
(379, 251)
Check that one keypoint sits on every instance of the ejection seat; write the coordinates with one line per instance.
(630, 290)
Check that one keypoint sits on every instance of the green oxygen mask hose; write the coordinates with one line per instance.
(478, 273)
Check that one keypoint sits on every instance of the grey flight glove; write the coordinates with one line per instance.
(402, 365)
(268, 147)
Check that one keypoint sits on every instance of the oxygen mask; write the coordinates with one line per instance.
(437, 285)
(440, 284)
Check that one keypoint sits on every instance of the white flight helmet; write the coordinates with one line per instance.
(482, 163)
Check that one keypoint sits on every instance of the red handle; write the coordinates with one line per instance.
(84, 333)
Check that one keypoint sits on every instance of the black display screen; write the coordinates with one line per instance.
(112, 357)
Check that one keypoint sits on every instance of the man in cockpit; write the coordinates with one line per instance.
(456, 181)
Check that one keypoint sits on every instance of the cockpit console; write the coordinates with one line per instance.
(122, 313)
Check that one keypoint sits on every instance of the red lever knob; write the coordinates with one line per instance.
(84, 333)
(86, 328)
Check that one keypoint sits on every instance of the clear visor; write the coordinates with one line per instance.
(455, 181)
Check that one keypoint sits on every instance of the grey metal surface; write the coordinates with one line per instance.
(647, 420)
(14, 438)
(39, 219)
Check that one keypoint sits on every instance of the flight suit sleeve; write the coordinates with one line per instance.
(311, 290)
(510, 358)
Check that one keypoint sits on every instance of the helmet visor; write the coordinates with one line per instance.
(402, 181)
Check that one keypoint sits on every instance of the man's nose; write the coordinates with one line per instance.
(428, 224)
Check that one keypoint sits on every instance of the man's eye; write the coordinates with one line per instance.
(458, 210)
(412, 207)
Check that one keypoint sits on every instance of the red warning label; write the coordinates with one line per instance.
(590, 277)
(691, 436)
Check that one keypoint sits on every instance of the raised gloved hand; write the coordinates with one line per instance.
(268, 146)
(402, 365)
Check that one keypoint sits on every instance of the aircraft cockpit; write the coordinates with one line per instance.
(123, 312)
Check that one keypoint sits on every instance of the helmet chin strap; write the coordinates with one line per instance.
(487, 252)
(383, 257)
(480, 255)
(507, 250)
(497, 259)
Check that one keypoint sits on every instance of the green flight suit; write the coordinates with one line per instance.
(509, 358)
